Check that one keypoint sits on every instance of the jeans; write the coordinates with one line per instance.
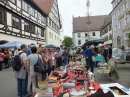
(65, 61)
(6, 63)
(22, 85)
(90, 64)
(9, 62)
(1, 65)
(43, 76)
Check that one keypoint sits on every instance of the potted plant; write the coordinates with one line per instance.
(1, 21)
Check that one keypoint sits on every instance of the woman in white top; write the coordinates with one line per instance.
(32, 59)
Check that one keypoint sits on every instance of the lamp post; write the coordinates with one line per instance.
(88, 22)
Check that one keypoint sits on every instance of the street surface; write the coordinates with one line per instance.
(8, 83)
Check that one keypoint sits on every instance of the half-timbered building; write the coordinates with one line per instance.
(50, 7)
(22, 20)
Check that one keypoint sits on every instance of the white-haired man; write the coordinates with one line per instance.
(88, 53)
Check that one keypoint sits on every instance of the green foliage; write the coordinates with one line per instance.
(129, 35)
(68, 41)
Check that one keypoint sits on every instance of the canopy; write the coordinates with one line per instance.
(97, 39)
(13, 44)
(50, 46)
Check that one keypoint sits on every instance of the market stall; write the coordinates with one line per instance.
(13, 44)
(74, 81)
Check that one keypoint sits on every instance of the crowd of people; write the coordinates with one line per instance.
(50, 57)
(29, 55)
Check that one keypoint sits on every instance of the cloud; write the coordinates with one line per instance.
(70, 8)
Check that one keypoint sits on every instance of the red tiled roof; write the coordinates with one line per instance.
(97, 22)
(107, 21)
(45, 5)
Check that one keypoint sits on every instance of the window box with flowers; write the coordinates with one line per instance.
(1, 21)
(33, 32)
(27, 30)
(16, 26)
(42, 35)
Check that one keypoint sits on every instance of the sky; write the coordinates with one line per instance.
(76, 8)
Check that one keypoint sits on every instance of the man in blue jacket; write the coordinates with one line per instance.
(88, 53)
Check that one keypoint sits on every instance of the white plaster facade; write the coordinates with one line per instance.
(121, 22)
(82, 37)
(53, 26)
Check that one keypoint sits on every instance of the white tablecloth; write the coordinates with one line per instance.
(105, 87)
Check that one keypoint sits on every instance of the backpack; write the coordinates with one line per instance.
(17, 62)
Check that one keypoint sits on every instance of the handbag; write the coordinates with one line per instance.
(39, 67)
(21, 74)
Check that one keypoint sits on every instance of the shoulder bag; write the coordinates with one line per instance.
(39, 67)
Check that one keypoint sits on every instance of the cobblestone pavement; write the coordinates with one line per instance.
(8, 83)
(124, 74)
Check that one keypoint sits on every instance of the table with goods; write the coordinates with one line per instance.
(72, 81)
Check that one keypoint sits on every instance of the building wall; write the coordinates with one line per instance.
(12, 33)
(120, 16)
(53, 26)
(52, 37)
(13, 38)
(108, 35)
(82, 37)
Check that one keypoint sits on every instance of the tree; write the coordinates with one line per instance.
(68, 41)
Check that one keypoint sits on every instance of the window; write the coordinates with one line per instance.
(55, 37)
(50, 22)
(42, 32)
(126, 21)
(16, 22)
(32, 11)
(52, 25)
(50, 34)
(13, 1)
(115, 15)
(32, 28)
(94, 34)
(118, 41)
(79, 42)
(36, 15)
(43, 19)
(110, 37)
(107, 38)
(24, 6)
(119, 12)
(115, 27)
(26, 26)
(120, 25)
(79, 35)
(1, 16)
(86, 34)
(125, 5)
(109, 27)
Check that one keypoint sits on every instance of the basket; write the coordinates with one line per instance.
(42, 85)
